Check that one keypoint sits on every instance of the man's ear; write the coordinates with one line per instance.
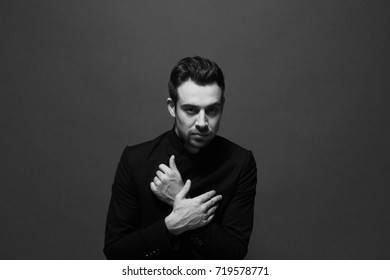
(171, 107)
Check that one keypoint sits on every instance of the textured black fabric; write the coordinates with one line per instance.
(135, 226)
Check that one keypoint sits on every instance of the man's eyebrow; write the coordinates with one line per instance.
(214, 104)
(196, 106)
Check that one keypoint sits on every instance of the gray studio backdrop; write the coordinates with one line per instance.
(307, 85)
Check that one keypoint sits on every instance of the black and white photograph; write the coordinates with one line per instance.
(194, 130)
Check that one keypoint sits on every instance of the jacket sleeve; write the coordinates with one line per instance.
(228, 237)
(124, 239)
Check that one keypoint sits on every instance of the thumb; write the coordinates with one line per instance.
(183, 192)
(172, 163)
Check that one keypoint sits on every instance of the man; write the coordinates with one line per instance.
(188, 194)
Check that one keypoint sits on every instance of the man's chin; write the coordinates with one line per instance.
(199, 143)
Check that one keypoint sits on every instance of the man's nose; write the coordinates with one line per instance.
(201, 122)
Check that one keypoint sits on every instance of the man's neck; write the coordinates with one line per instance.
(191, 150)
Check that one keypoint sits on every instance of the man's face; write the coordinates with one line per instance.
(197, 114)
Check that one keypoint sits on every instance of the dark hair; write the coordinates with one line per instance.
(200, 70)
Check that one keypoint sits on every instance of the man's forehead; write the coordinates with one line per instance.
(193, 94)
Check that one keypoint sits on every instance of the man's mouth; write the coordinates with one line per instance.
(201, 134)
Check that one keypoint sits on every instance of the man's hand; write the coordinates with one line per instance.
(191, 213)
(167, 183)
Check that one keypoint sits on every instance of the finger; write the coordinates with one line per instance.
(164, 168)
(206, 196)
(157, 181)
(212, 210)
(160, 175)
(172, 163)
(153, 187)
(210, 203)
(209, 219)
(183, 192)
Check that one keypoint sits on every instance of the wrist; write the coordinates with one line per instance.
(171, 225)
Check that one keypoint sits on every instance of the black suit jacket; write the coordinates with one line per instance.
(135, 227)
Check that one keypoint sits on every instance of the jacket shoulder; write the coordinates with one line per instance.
(230, 147)
(145, 149)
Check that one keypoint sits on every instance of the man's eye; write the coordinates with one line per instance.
(212, 111)
(190, 110)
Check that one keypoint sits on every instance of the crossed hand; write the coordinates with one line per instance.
(187, 213)
(167, 183)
